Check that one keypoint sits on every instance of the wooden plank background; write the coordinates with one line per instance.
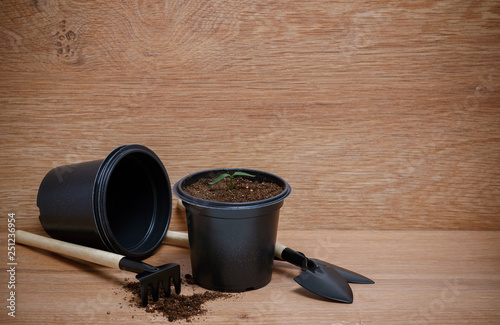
(381, 115)
(384, 117)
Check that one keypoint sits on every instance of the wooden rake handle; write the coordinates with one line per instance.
(93, 255)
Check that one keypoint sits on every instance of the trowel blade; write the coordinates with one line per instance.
(326, 282)
(350, 276)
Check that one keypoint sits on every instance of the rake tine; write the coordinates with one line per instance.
(144, 295)
(177, 283)
(154, 291)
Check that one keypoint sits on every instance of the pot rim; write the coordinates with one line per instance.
(181, 194)
(140, 250)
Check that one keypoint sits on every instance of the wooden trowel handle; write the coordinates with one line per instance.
(85, 253)
(278, 249)
(181, 239)
(177, 238)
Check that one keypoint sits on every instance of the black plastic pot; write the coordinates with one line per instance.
(232, 244)
(122, 203)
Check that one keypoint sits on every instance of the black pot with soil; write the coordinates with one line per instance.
(232, 232)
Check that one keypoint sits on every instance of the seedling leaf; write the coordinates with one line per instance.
(243, 174)
(230, 178)
(219, 178)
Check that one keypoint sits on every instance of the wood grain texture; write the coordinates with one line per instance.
(381, 115)
(421, 277)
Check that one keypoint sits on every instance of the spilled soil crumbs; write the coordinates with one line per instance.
(176, 307)
(244, 190)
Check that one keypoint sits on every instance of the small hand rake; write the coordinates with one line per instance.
(148, 276)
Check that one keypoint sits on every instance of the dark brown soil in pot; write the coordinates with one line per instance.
(244, 190)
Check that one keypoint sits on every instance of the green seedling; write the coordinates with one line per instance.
(230, 178)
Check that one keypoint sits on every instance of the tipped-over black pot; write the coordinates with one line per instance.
(122, 203)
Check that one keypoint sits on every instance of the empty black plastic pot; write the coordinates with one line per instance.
(122, 203)
(232, 244)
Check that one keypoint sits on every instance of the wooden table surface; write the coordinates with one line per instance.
(384, 117)
(421, 277)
